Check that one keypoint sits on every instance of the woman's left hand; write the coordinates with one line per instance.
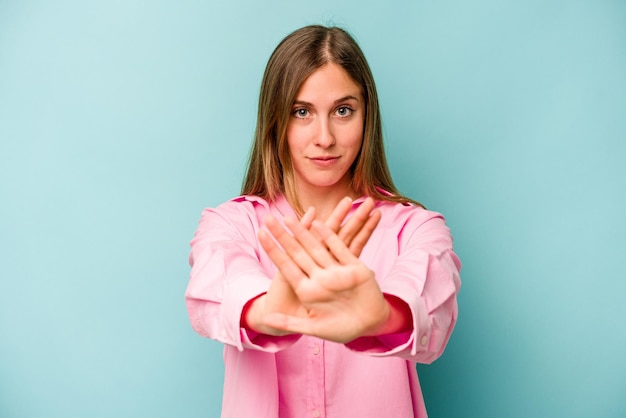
(340, 298)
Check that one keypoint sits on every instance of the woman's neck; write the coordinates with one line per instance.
(324, 200)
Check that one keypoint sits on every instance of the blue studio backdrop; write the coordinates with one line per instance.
(121, 120)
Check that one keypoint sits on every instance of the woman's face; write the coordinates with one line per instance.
(325, 131)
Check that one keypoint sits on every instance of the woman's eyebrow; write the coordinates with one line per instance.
(342, 99)
(348, 97)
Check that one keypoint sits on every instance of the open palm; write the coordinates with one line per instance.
(338, 298)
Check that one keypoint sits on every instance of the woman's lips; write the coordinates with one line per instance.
(324, 161)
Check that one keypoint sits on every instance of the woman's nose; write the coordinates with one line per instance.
(324, 137)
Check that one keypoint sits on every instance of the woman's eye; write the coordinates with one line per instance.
(344, 111)
(301, 113)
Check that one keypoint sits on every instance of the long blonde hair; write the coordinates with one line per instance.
(297, 56)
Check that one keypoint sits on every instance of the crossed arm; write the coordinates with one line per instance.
(321, 288)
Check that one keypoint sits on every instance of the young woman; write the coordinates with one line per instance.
(324, 283)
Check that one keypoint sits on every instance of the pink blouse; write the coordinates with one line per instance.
(299, 376)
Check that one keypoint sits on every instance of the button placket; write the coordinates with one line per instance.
(316, 396)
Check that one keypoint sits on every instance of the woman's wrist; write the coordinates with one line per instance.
(400, 318)
(250, 314)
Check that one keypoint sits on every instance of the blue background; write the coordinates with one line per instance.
(121, 120)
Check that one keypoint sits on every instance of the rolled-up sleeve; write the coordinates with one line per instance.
(425, 274)
(226, 273)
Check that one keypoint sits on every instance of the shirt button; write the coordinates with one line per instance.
(316, 351)
(316, 413)
(424, 340)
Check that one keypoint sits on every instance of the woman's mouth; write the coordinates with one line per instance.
(324, 161)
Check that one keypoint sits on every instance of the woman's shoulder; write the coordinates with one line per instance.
(407, 209)
(241, 213)
(416, 226)
(405, 214)
(243, 202)
(250, 207)
(241, 205)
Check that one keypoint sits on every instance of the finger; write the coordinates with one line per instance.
(356, 222)
(337, 247)
(339, 214)
(291, 246)
(310, 243)
(288, 268)
(308, 217)
(358, 242)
